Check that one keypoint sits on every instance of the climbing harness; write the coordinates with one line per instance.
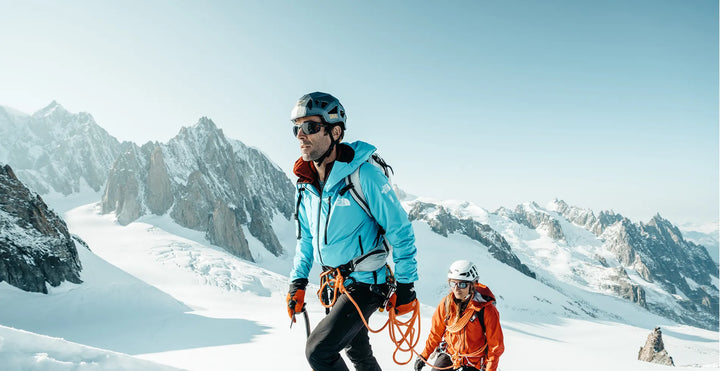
(404, 334)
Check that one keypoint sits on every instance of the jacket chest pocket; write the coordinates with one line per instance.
(344, 218)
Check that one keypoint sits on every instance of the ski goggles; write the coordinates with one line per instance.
(308, 127)
(459, 284)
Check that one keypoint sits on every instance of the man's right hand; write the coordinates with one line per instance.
(296, 296)
(419, 363)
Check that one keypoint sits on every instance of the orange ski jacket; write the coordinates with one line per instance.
(463, 332)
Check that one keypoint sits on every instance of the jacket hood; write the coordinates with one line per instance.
(483, 293)
(483, 296)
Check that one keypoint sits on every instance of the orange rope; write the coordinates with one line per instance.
(410, 337)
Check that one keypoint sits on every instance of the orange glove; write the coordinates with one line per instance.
(403, 300)
(296, 296)
(296, 302)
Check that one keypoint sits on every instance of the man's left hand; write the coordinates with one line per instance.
(406, 298)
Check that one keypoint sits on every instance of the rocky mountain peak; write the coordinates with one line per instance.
(206, 123)
(204, 127)
(54, 109)
(206, 182)
(55, 150)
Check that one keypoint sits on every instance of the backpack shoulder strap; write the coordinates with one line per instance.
(447, 309)
(353, 185)
(352, 181)
(481, 318)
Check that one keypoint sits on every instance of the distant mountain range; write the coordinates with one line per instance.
(204, 180)
(649, 264)
(207, 182)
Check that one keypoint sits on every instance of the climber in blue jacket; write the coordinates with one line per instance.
(346, 226)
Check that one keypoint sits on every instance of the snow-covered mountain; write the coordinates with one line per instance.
(235, 196)
(205, 182)
(442, 221)
(707, 235)
(54, 150)
(35, 245)
(677, 277)
(570, 248)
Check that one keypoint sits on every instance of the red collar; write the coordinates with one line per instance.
(307, 172)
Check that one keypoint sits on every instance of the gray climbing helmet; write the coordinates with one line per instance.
(320, 104)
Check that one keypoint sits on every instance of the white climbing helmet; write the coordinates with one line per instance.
(463, 270)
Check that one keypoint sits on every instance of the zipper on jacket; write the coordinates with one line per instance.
(318, 228)
(327, 219)
(362, 252)
(297, 213)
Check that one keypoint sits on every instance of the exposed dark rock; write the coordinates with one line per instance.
(654, 350)
(533, 218)
(159, 197)
(226, 230)
(122, 193)
(443, 223)
(621, 285)
(35, 245)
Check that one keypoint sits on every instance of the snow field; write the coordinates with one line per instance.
(171, 298)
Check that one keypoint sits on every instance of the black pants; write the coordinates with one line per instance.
(342, 329)
(444, 360)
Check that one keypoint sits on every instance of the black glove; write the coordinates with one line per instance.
(405, 293)
(419, 363)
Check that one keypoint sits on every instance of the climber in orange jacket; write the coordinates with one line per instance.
(465, 326)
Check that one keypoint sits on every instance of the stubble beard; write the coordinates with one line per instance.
(315, 152)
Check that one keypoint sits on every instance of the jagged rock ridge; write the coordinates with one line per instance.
(531, 217)
(660, 255)
(205, 182)
(441, 221)
(35, 245)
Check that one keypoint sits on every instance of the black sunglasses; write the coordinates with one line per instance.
(461, 284)
(308, 127)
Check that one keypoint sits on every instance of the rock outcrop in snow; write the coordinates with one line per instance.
(35, 245)
(654, 350)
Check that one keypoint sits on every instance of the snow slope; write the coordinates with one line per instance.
(22, 350)
(171, 298)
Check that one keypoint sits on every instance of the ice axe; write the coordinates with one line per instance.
(307, 321)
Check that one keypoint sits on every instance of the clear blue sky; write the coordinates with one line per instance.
(605, 104)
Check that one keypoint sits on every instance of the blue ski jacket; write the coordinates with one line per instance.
(333, 229)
